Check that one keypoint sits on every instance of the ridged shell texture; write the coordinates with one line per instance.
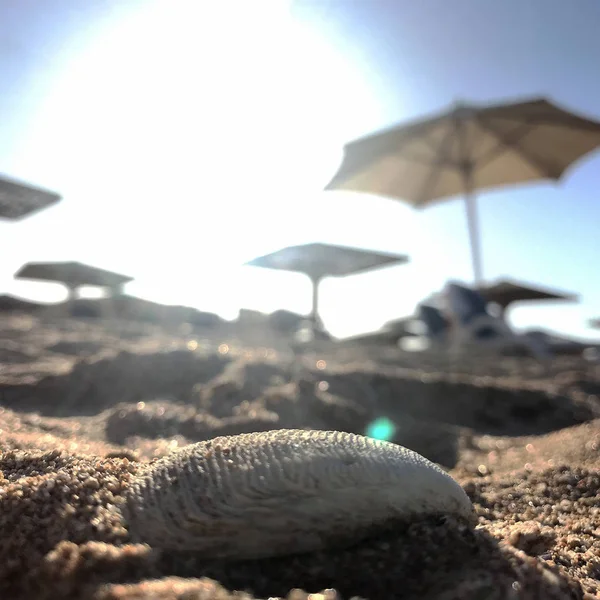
(284, 491)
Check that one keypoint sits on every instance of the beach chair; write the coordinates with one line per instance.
(436, 324)
(426, 330)
(474, 327)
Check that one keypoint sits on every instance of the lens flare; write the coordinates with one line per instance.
(381, 429)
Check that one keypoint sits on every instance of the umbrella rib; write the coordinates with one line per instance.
(412, 157)
(500, 147)
(544, 169)
(431, 145)
(425, 161)
(440, 159)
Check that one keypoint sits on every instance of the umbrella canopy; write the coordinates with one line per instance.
(468, 148)
(322, 260)
(505, 292)
(18, 200)
(72, 274)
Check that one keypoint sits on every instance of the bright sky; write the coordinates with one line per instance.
(187, 137)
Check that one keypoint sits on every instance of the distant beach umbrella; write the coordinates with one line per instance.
(317, 261)
(18, 200)
(467, 148)
(73, 275)
(505, 292)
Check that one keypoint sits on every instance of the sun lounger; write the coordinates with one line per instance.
(474, 327)
(437, 326)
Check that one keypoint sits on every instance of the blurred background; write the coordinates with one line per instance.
(187, 138)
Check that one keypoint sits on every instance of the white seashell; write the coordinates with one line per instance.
(284, 491)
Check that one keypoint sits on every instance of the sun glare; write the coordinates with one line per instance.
(199, 134)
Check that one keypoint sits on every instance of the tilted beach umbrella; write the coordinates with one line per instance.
(505, 292)
(468, 148)
(18, 200)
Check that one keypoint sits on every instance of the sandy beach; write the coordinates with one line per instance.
(85, 405)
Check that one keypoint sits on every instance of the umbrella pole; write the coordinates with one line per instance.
(471, 203)
(314, 315)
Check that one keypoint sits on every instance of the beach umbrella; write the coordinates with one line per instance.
(318, 261)
(467, 148)
(73, 275)
(507, 291)
(18, 200)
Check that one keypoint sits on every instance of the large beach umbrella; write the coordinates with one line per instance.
(467, 148)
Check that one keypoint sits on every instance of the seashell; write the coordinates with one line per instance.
(285, 491)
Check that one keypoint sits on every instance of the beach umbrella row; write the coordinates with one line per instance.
(465, 149)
